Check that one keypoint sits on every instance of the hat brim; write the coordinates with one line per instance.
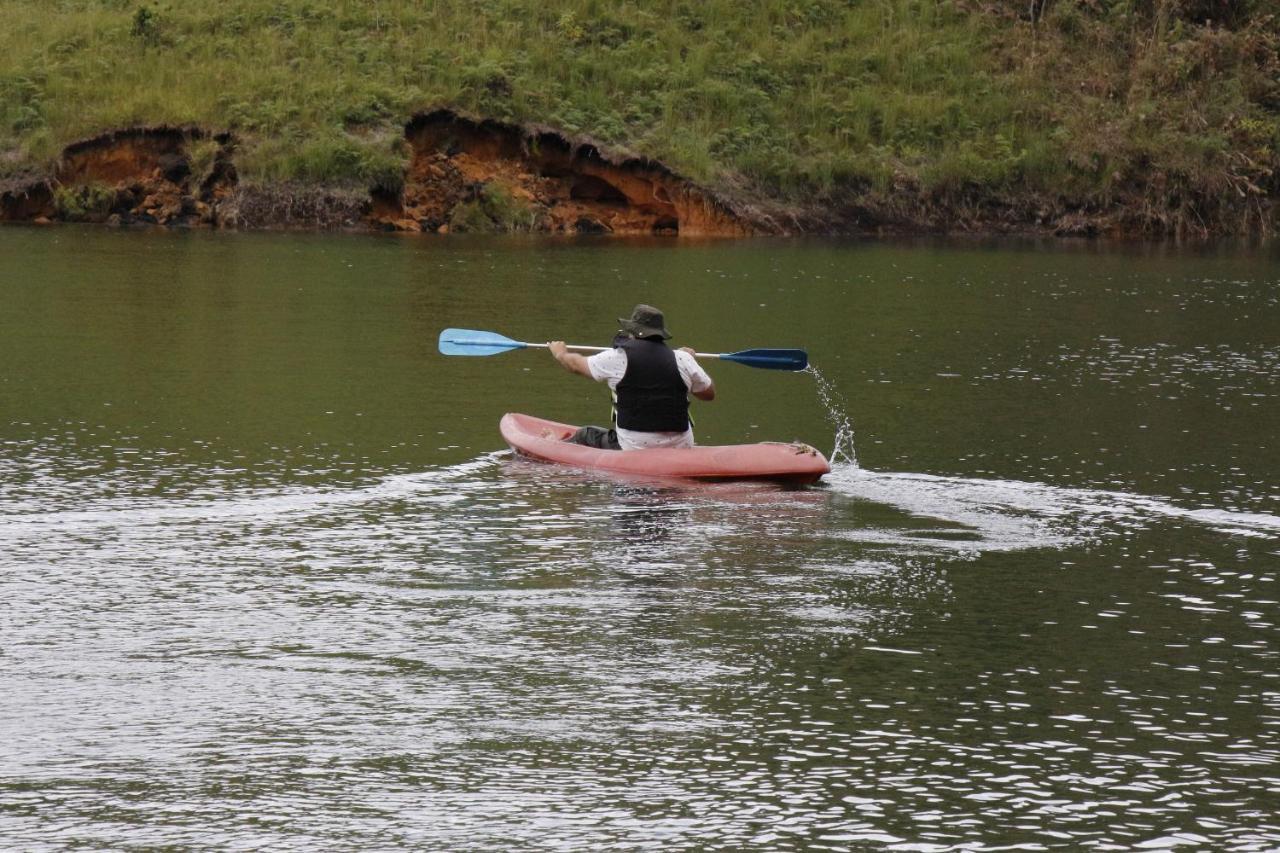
(642, 331)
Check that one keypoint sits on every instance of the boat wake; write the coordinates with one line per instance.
(977, 515)
(437, 486)
(920, 513)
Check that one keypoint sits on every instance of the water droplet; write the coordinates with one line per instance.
(837, 410)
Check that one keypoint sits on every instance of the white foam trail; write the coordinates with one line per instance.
(1016, 515)
(974, 515)
(259, 507)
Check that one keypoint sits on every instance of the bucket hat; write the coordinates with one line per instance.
(645, 321)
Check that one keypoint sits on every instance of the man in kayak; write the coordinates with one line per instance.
(651, 384)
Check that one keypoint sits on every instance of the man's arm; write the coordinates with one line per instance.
(570, 361)
(707, 393)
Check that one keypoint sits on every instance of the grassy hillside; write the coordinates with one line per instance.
(1172, 106)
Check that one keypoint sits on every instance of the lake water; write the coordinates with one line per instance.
(268, 578)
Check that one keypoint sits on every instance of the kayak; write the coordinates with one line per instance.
(545, 440)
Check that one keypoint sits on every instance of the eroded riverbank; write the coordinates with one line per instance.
(463, 174)
(469, 174)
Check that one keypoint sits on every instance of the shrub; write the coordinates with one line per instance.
(146, 26)
(22, 102)
(494, 210)
(85, 203)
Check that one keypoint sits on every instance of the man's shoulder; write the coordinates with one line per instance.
(609, 363)
(614, 354)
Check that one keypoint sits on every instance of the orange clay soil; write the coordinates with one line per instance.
(547, 181)
(563, 185)
(138, 174)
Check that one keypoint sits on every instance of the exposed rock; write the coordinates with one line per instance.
(387, 205)
(26, 199)
(121, 156)
(554, 183)
(141, 174)
(587, 225)
(465, 174)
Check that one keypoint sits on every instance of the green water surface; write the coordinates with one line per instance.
(269, 579)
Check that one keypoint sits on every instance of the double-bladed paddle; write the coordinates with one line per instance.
(472, 342)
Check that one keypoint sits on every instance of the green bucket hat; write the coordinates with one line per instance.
(645, 322)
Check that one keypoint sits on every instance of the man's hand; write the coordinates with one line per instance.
(570, 361)
(689, 350)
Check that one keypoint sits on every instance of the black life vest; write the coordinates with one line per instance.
(651, 397)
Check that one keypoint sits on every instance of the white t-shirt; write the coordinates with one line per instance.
(611, 365)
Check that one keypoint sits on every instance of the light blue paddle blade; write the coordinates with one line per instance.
(472, 342)
(770, 359)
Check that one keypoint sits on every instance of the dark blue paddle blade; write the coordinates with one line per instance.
(770, 359)
(472, 342)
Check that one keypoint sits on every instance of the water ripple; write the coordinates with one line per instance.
(499, 653)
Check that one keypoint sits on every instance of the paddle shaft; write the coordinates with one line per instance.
(602, 349)
(475, 342)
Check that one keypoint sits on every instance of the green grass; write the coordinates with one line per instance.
(786, 98)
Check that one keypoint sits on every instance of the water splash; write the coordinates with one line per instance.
(837, 412)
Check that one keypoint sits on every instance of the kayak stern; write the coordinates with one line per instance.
(542, 439)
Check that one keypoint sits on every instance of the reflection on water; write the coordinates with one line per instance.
(268, 583)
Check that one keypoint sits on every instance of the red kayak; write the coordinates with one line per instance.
(770, 460)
